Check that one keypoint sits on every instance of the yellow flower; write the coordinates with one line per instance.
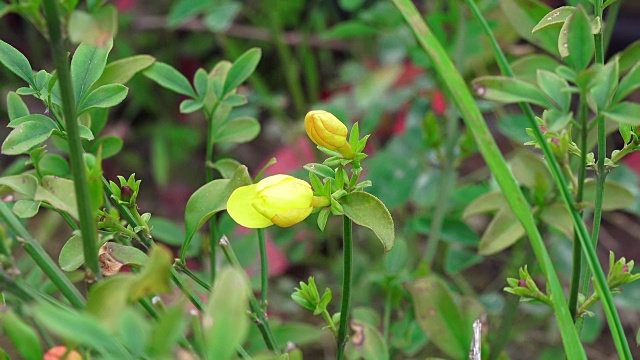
(325, 130)
(280, 199)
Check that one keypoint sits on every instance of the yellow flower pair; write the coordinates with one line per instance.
(282, 199)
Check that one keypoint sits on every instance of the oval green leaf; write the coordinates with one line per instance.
(616, 195)
(238, 130)
(105, 96)
(26, 136)
(15, 106)
(207, 201)
(241, 69)
(509, 90)
(368, 211)
(121, 71)
(225, 323)
(625, 112)
(87, 66)
(554, 17)
(16, 62)
(575, 43)
(59, 193)
(503, 231)
(168, 77)
(440, 318)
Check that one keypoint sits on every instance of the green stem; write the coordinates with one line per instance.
(261, 317)
(193, 297)
(181, 266)
(41, 258)
(599, 43)
(576, 268)
(85, 212)
(213, 223)
(600, 280)
(264, 268)
(345, 305)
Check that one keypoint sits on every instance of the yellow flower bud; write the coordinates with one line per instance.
(325, 130)
(280, 199)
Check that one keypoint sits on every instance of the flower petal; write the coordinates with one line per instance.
(239, 207)
(291, 217)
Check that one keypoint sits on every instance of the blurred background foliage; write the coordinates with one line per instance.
(358, 60)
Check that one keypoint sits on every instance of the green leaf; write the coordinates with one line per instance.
(503, 231)
(87, 66)
(26, 136)
(440, 318)
(17, 63)
(201, 83)
(54, 164)
(628, 84)
(602, 91)
(85, 132)
(350, 29)
(189, 106)
(234, 100)
(133, 331)
(208, 200)
(575, 42)
(629, 57)
(24, 337)
(509, 90)
(368, 211)
(169, 328)
(488, 202)
(616, 195)
(556, 88)
(555, 120)
(105, 96)
(93, 28)
(72, 255)
(59, 193)
(126, 255)
(238, 130)
(184, 10)
(81, 328)
(321, 170)
(241, 69)
(31, 117)
(121, 71)
(111, 145)
(366, 342)
(168, 77)
(554, 17)
(26, 209)
(531, 171)
(526, 67)
(227, 167)
(624, 112)
(523, 15)
(25, 184)
(225, 323)
(557, 216)
(219, 18)
(15, 106)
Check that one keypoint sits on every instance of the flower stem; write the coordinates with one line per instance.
(213, 223)
(85, 212)
(261, 317)
(345, 305)
(576, 268)
(41, 258)
(264, 269)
